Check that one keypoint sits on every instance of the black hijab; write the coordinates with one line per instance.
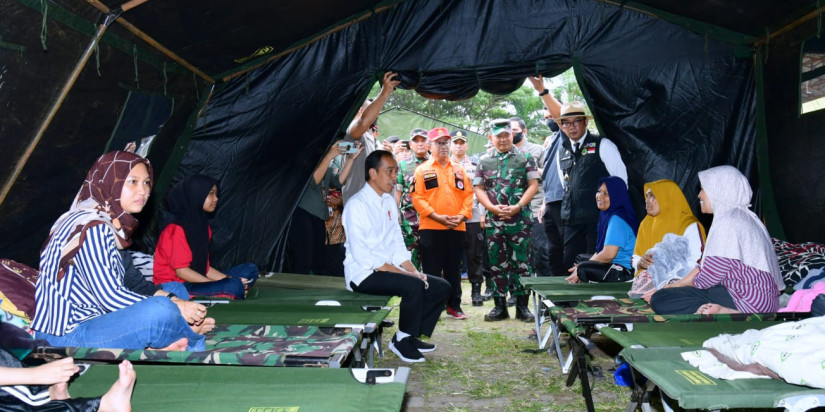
(185, 203)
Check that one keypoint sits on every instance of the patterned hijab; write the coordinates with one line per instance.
(98, 202)
(619, 206)
(674, 216)
(185, 202)
(736, 232)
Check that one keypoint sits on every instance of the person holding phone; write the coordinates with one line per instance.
(364, 129)
(307, 231)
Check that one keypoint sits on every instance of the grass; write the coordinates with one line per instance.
(493, 366)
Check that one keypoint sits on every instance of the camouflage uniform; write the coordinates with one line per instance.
(409, 216)
(505, 178)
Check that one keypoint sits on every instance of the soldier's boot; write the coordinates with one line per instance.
(512, 301)
(499, 312)
(522, 311)
(475, 295)
(488, 292)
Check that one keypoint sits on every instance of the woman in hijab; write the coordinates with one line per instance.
(739, 270)
(81, 299)
(667, 212)
(182, 252)
(616, 236)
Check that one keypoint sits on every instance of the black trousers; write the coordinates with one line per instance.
(420, 307)
(539, 256)
(474, 252)
(554, 232)
(578, 239)
(307, 235)
(440, 252)
(685, 300)
(592, 271)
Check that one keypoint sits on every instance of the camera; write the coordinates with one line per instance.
(349, 147)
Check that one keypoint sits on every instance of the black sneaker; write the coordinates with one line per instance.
(406, 350)
(422, 346)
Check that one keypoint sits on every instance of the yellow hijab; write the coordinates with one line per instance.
(674, 216)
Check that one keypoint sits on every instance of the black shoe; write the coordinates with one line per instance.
(406, 350)
(422, 346)
(475, 295)
(499, 312)
(522, 310)
(512, 301)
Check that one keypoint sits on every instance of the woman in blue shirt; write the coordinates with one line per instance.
(616, 237)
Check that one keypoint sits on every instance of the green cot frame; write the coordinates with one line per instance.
(250, 388)
(692, 389)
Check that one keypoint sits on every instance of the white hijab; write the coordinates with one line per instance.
(737, 233)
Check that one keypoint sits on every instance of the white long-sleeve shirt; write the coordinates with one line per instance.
(373, 234)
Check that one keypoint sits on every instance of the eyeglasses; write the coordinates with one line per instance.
(445, 143)
(568, 123)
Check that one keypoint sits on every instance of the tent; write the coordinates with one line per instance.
(400, 122)
(255, 91)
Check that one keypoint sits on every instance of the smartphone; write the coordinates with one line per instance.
(349, 147)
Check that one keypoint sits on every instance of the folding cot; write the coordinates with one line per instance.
(582, 320)
(366, 322)
(252, 388)
(692, 389)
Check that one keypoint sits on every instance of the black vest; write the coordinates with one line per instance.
(582, 171)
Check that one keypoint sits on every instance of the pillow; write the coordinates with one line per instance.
(17, 288)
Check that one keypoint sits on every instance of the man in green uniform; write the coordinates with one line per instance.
(505, 182)
(403, 192)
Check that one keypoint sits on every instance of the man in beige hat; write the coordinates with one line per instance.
(583, 159)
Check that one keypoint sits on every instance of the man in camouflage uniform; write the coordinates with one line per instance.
(505, 182)
(403, 192)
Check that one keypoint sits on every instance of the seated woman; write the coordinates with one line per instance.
(182, 252)
(667, 212)
(80, 296)
(616, 236)
(739, 270)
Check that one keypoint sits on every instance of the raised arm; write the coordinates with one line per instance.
(358, 127)
(553, 105)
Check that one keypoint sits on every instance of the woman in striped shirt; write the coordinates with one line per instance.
(739, 270)
(80, 295)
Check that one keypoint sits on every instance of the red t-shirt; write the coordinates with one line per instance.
(172, 252)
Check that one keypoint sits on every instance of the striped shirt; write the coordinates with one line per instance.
(753, 290)
(92, 286)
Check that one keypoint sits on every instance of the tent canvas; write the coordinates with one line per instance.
(400, 122)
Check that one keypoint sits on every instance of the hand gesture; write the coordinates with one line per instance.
(538, 82)
(358, 149)
(390, 81)
(193, 312)
(646, 261)
(574, 275)
(59, 371)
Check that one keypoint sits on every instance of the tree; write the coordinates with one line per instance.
(475, 114)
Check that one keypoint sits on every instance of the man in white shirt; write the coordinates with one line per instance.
(377, 261)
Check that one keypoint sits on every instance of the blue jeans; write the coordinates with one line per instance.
(231, 287)
(154, 322)
(177, 289)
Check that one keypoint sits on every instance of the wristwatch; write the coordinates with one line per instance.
(544, 92)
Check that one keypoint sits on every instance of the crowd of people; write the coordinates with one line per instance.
(405, 218)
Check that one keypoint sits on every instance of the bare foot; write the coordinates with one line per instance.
(179, 344)
(119, 396)
(205, 326)
(59, 391)
(714, 309)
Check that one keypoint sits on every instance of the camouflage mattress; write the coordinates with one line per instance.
(586, 314)
(259, 345)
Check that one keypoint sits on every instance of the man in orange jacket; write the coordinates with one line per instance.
(443, 197)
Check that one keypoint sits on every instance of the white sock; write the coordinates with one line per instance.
(400, 335)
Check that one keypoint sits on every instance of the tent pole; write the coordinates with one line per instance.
(111, 16)
(790, 26)
(152, 42)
